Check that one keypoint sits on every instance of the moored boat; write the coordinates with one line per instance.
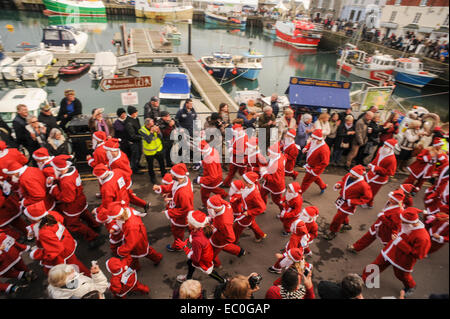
(104, 67)
(29, 67)
(74, 68)
(175, 87)
(163, 10)
(83, 8)
(298, 33)
(219, 65)
(170, 32)
(249, 64)
(4, 61)
(223, 19)
(410, 71)
(33, 98)
(63, 39)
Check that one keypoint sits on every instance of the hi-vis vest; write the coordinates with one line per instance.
(154, 146)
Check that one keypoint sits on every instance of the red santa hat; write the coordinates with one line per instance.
(252, 142)
(3, 145)
(298, 227)
(317, 134)
(441, 216)
(167, 179)
(398, 195)
(295, 254)
(41, 154)
(61, 162)
(115, 266)
(311, 213)
(250, 177)
(99, 136)
(295, 187)
(292, 133)
(112, 144)
(204, 147)
(116, 209)
(409, 188)
(216, 202)
(358, 171)
(391, 142)
(100, 170)
(36, 211)
(410, 215)
(237, 127)
(438, 142)
(275, 149)
(236, 186)
(12, 167)
(179, 170)
(197, 219)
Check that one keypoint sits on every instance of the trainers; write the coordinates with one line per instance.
(346, 227)
(30, 276)
(181, 278)
(243, 252)
(409, 291)
(98, 195)
(147, 207)
(323, 190)
(284, 234)
(258, 240)
(329, 236)
(16, 289)
(169, 248)
(351, 249)
(273, 270)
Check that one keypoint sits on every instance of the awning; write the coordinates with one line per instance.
(389, 25)
(442, 29)
(425, 29)
(411, 26)
(319, 93)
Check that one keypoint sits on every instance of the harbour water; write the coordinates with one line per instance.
(281, 61)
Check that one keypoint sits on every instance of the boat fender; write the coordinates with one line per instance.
(210, 72)
(234, 71)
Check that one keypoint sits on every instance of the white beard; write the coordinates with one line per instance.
(14, 179)
(94, 143)
(306, 218)
(211, 212)
(40, 165)
(286, 263)
(109, 156)
(385, 151)
(407, 228)
(290, 196)
(233, 191)
(288, 140)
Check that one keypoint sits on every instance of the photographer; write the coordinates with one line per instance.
(152, 147)
(215, 121)
(238, 287)
(166, 125)
(291, 286)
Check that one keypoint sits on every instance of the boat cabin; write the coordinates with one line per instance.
(411, 64)
(57, 36)
(33, 98)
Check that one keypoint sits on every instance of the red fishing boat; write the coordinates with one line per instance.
(74, 68)
(298, 33)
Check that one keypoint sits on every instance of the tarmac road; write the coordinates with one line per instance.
(330, 259)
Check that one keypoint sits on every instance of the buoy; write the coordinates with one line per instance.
(210, 72)
(40, 75)
(10, 27)
(234, 71)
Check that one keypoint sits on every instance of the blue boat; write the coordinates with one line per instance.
(410, 71)
(248, 65)
(175, 87)
(225, 19)
(219, 65)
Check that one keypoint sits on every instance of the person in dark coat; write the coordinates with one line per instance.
(344, 137)
(186, 116)
(46, 117)
(349, 288)
(70, 106)
(6, 134)
(152, 110)
(23, 136)
(248, 117)
(166, 125)
(132, 126)
(120, 131)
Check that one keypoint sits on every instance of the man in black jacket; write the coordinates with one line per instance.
(151, 109)
(166, 125)
(23, 137)
(46, 117)
(70, 106)
(350, 288)
(132, 126)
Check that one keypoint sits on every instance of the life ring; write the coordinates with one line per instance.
(23, 44)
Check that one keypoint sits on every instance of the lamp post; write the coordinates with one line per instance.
(189, 36)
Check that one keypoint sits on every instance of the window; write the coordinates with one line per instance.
(397, 2)
(417, 18)
(393, 14)
(51, 35)
(423, 3)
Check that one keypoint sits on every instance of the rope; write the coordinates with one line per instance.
(419, 96)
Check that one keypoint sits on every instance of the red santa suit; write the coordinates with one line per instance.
(292, 206)
(421, 169)
(123, 278)
(253, 206)
(317, 159)
(68, 191)
(437, 225)
(54, 244)
(255, 160)
(11, 262)
(236, 202)
(387, 223)
(290, 150)
(223, 234)
(309, 215)
(44, 160)
(273, 177)
(411, 244)
(238, 154)
(212, 173)
(381, 168)
(352, 193)
(410, 190)
(434, 193)
(99, 155)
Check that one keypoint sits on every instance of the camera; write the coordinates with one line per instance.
(254, 281)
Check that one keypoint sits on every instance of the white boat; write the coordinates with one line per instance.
(63, 39)
(249, 64)
(29, 67)
(170, 32)
(104, 67)
(410, 71)
(175, 85)
(378, 67)
(33, 98)
(236, 20)
(251, 97)
(4, 61)
(219, 65)
(163, 10)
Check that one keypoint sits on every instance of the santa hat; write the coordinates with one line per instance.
(3, 145)
(167, 179)
(441, 216)
(115, 266)
(292, 133)
(116, 209)
(358, 171)
(41, 154)
(398, 195)
(391, 142)
(100, 170)
(310, 213)
(295, 254)
(12, 167)
(36, 211)
(252, 142)
(197, 219)
(237, 185)
(317, 134)
(179, 170)
(99, 136)
(216, 202)
(298, 227)
(204, 147)
(250, 177)
(409, 188)
(275, 149)
(112, 144)
(410, 215)
(237, 127)
(61, 162)
(295, 187)
(437, 142)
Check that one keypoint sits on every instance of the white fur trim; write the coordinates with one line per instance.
(194, 222)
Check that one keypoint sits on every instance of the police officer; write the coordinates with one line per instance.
(152, 147)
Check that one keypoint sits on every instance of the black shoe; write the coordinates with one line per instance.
(409, 291)
(346, 227)
(96, 243)
(147, 207)
(329, 236)
(30, 276)
(17, 289)
(242, 252)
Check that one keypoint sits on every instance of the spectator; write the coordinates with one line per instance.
(166, 125)
(350, 288)
(407, 142)
(98, 123)
(291, 286)
(186, 117)
(323, 124)
(305, 128)
(151, 109)
(19, 126)
(120, 131)
(360, 137)
(334, 124)
(274, 104)
(65, 282)
(152, 147)
(46, 117)
(248, 117)
(70, 106)
(388, 130)
(286, 122)
(267, 121)
(6, 134)
(57, 143)
(372, 109)
(215, 121)
(344, 137)
(373, 132)
(237, 287)
(37, 132)
(190, 289)
(224, 114)
(132, 126)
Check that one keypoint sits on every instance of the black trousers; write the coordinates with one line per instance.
(135, 155)
(213, 274)
(167, 148)
(160, 158)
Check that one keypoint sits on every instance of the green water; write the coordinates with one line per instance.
(281, 61)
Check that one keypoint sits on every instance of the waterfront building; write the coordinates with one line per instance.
(356, 10)
(326, 9)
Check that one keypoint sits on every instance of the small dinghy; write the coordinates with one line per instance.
(74, 68)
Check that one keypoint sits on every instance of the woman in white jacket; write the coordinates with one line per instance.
(65, 282)
(323, 124)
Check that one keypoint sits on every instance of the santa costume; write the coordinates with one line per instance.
(388, 222)
(434, 193)
(98, 145)
(290, 151)
(235, 194)
(238, 153)
(353, 191)
(68, 191)
(410, 190)
(437, 226)
(292, 206)
(212, 173)
(309, 216)
(317, 159)
(423, 167)
(9, 155)
(273, 177)
(253, 206)
(255, 160)
(410, 245)
(123, 278)
(381, 168)
(44, 160)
